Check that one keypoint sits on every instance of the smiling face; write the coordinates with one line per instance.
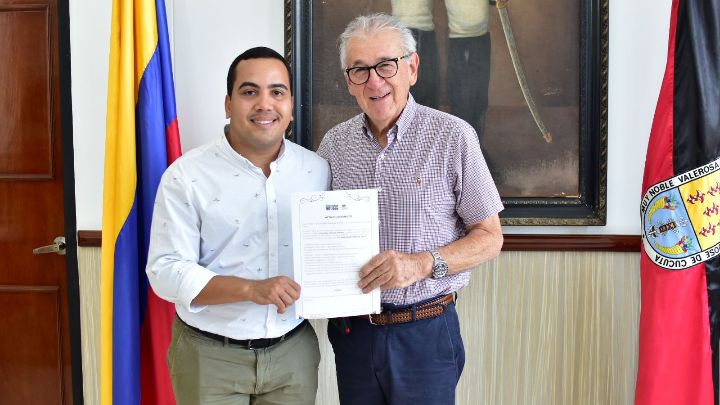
(260, 108)
(382, 100)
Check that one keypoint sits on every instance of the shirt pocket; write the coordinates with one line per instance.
(421, 211)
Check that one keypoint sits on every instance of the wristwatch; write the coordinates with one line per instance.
(440, 267)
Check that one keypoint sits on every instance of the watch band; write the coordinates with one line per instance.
(440, 267)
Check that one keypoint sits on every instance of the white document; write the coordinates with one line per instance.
(334, 234)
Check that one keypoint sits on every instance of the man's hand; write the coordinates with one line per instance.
(391, 269)
(280, 291)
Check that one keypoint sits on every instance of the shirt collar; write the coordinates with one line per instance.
(402, 124)
(225, 144)
(283, 151)
(406, 117)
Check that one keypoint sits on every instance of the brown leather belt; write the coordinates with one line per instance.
(426, 310)
(249, 343)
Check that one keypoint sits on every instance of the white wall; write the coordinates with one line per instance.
(89, 47)
(208, 34)
(205, 36)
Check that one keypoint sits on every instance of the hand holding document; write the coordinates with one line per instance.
(334, 234)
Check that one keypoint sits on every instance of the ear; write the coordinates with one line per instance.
(292, 108)
(414, 65)
(227, 106)
(348, 83)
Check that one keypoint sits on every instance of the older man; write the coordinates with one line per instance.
(438, 219)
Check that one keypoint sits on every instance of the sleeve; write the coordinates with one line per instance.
(326, 150)
(172, 268)
(476, 196)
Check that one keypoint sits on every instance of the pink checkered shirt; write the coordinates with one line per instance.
(432, 180)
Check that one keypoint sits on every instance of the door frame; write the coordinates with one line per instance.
(68, 163)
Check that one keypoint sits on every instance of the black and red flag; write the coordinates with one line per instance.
(680, 209)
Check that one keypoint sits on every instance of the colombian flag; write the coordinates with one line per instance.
(680, 209)
(141, 140)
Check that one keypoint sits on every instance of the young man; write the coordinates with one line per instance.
(221, 250)
(438, 209)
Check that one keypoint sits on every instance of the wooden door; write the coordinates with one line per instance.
(35, 356)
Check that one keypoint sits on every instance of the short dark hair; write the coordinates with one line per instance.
(258, 52)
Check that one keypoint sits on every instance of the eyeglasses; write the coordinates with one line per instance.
(385, 69)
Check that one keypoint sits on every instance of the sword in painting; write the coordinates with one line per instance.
(517, 65)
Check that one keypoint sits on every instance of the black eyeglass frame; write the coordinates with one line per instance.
(374, 67)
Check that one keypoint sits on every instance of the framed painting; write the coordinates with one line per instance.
(530, 77)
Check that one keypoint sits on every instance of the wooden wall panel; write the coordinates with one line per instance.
(89, 275)
(539, 328)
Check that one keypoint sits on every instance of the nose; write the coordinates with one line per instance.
(263, 101)
(374, 79)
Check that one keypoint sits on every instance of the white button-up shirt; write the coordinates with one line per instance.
(217, 214)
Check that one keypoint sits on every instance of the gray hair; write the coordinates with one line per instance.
(371, 24)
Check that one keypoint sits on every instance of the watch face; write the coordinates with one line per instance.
(440, 270)
(440, 267)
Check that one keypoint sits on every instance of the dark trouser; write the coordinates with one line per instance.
(414, 363)
(468, 79)
(425, 91)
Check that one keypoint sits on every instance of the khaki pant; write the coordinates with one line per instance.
(466, 18)
(205, 371)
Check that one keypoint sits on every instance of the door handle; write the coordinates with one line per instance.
(58, 247)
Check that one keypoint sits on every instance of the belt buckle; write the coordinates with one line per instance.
(250, 344)
(370, 318)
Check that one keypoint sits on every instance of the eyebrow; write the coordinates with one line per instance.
(360, 63)
(255, 85)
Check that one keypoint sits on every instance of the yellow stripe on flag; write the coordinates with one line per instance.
(133, 39)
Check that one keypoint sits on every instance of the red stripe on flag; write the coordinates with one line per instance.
(674, 364)
(155, 335)
(172, 139)
(156, 331)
